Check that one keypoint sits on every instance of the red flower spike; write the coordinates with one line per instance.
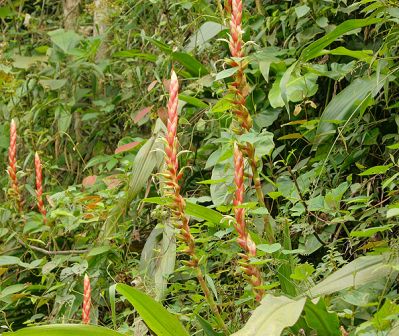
(39, 187)
(86, 300)
(12, 163)
(244, 239)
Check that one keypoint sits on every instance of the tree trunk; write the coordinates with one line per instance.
(100, 27)
(71, 14)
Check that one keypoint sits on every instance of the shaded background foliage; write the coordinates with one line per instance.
(87, 99)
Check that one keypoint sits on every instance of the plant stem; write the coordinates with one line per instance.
(267, 227)
(259, 7)
(220, 9)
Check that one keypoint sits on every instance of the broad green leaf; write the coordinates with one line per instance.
(158, 257)
(318, 318)
(207, 327)
(393, 212)
(301, 11)
(357, 273)
(65, 40)
(52, 84)
(192, 209)
(193, 101)
(384, 317)
(369, 232)
(157, 318)
(223, 104)
(269, 248)
(24, 62)
(351, 100)
(312, 50)
(192, 65)
(65, 330)
(364, 55)
(226, 73)
(11, 290)
(272, 316)
(98, 250)
(9, 260)
(376, 170)
(302, 272)
(296, 89)
(207, 31)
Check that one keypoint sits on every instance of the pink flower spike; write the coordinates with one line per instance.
(86, 300)
(39, 187)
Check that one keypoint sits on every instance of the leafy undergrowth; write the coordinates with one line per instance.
(274, 153)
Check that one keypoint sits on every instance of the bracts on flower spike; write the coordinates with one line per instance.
(39, 187)
(244, 239)
(12, 164)
(86, 300)
(172, 176)
(240, 88)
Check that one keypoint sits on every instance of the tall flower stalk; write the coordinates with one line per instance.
(86, 300)
(240, 88)
(172, 176)
(39, 187)
(244, 239)
(12, 164)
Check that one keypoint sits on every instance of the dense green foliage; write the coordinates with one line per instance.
(323, 94)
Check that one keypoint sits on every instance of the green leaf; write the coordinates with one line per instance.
(192, 209)
(65, 330)
(157, 318)
(192, 65)
(226, 73)
(269, 248)
(312, 50)
(52, 84)
(272, 316)
(158, 257)
(296, 89)
(351, 100)
(207, 31)
(12, 290)
(208, 331)
(318, 318)
(98, 250)
(65, 40)
(147, 158)
(134, 54)
(383, 318)
(193, 101)
(393, 212)
(302, 272)
(369, 232)
(223, 104)
(24, 62)
(301, 11)
(357, 273)
(376, 170)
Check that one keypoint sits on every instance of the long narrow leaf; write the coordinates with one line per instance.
(144, 164)
(312, 50)
(192, 209)
(357, 273)
(65, 330)
(157, 318)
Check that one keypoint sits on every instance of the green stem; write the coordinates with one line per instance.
(209, 298)
(259, 192)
